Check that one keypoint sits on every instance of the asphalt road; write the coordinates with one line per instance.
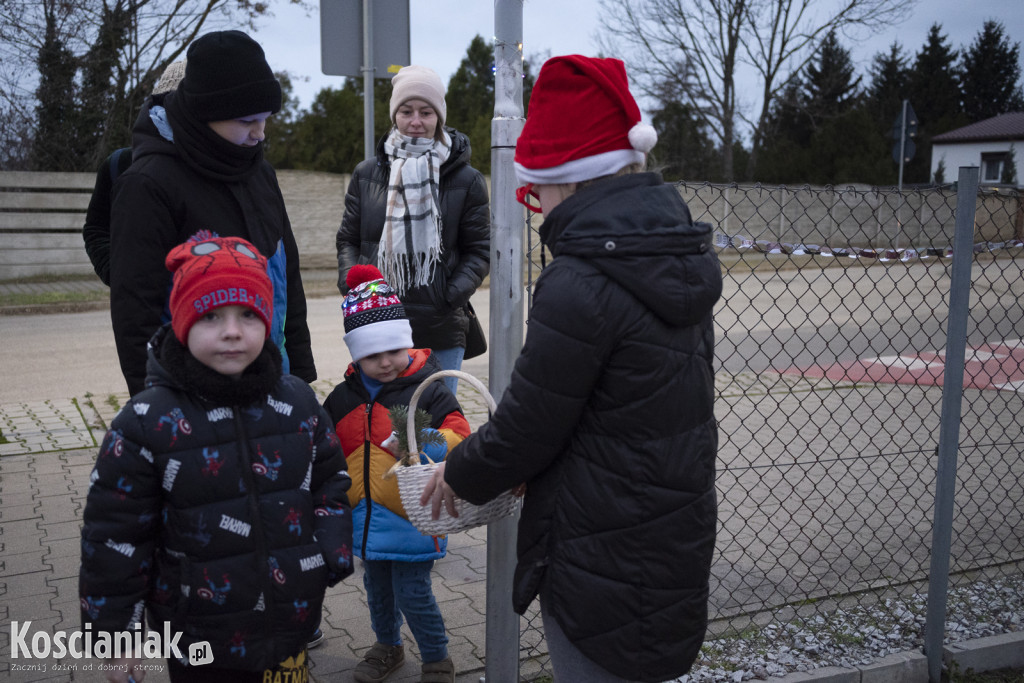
(63, 355)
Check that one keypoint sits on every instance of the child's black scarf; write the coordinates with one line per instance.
(258, 380)
(206, 152)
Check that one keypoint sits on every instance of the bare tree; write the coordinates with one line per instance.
(706, 46)
(119, 49)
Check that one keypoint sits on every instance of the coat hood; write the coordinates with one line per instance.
(638, 231)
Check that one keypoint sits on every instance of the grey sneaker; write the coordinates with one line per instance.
(438, 672)
(378, 663)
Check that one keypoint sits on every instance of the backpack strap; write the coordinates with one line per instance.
(115, 163)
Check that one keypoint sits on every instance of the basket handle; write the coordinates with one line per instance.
(470, 379)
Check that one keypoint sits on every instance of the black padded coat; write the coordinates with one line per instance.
(436, 311)
(224, 518)
(162, 201)
(608, 418)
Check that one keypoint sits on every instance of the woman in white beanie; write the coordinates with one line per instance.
(420, 213)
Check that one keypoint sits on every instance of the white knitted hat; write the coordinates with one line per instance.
(415, 82)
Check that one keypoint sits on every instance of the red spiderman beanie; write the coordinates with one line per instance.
(583, 123)
(210, 273)
(374, 315)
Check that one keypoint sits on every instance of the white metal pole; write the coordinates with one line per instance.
(368, 79)
(507, 296)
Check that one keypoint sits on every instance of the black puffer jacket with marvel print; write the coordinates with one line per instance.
(220, 507)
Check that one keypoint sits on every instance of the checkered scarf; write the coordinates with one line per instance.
(410, 245)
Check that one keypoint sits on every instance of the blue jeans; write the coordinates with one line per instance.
(450, 359)
(395, 588)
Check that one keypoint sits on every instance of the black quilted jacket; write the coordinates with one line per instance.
(227, 520)
(435, 311)
(609, 420)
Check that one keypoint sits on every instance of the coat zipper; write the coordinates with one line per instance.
(366, 475)
(254, 509)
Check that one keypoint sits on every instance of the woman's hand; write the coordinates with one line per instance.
(437, 492)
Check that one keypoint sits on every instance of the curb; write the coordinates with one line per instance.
(1002, 651)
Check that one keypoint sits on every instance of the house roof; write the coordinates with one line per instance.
(1003, 127)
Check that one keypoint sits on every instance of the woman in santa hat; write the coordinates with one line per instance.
(608, 418)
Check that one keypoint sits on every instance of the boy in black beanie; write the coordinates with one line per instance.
(198, 170)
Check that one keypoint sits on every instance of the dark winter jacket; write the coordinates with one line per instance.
(167, 196)
(381, 525)
(220, 506)
(436, 311)
(608, 419)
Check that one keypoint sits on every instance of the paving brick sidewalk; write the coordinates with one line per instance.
(47, 452)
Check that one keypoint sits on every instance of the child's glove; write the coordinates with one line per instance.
(434, 451)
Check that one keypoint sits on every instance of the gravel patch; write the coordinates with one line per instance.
(860, 635)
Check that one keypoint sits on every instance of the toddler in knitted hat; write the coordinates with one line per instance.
(377, 331)
(397, 558)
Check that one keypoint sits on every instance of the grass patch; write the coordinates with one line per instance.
(955, 675)
(50, 298)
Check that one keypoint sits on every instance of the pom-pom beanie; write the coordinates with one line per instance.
(374, 316)
(170, 78)
(582, 123)
(210, 273)
(416, 82)
(227, 77)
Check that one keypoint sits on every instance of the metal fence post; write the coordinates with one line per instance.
(506, 317)
(949, 424)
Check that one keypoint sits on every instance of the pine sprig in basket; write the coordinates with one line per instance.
(425, 436)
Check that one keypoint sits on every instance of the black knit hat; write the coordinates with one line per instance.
(227, 77)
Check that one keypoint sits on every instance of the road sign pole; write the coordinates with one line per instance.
(903, 141)
(368, 80)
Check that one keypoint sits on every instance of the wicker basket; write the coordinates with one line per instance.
(413, 478)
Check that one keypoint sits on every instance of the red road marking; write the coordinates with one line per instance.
(997, 367)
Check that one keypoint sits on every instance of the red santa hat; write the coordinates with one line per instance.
(582, 123)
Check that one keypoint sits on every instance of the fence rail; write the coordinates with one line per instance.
(830, 341)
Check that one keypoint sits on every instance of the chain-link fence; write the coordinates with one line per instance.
(830, 342)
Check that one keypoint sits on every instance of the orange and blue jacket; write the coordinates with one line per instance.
(381, 528)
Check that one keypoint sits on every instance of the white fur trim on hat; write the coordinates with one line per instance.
(578, 170)
(387, 335)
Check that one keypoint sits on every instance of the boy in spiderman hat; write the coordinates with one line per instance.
(397, 559)
(616, 385)
(218, 505)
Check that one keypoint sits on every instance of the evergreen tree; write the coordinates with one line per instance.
(470, 99)
(1009, 176)
(104, 123)
(991, 74)
(684, 151)
(785, 154)
(329, 137)
(829, 81)
(53, 148)
(890, 85)
(890, 81)
(936, 95)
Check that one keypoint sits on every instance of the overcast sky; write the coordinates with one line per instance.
(441, 30)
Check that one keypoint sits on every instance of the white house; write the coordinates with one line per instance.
(987, 144)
